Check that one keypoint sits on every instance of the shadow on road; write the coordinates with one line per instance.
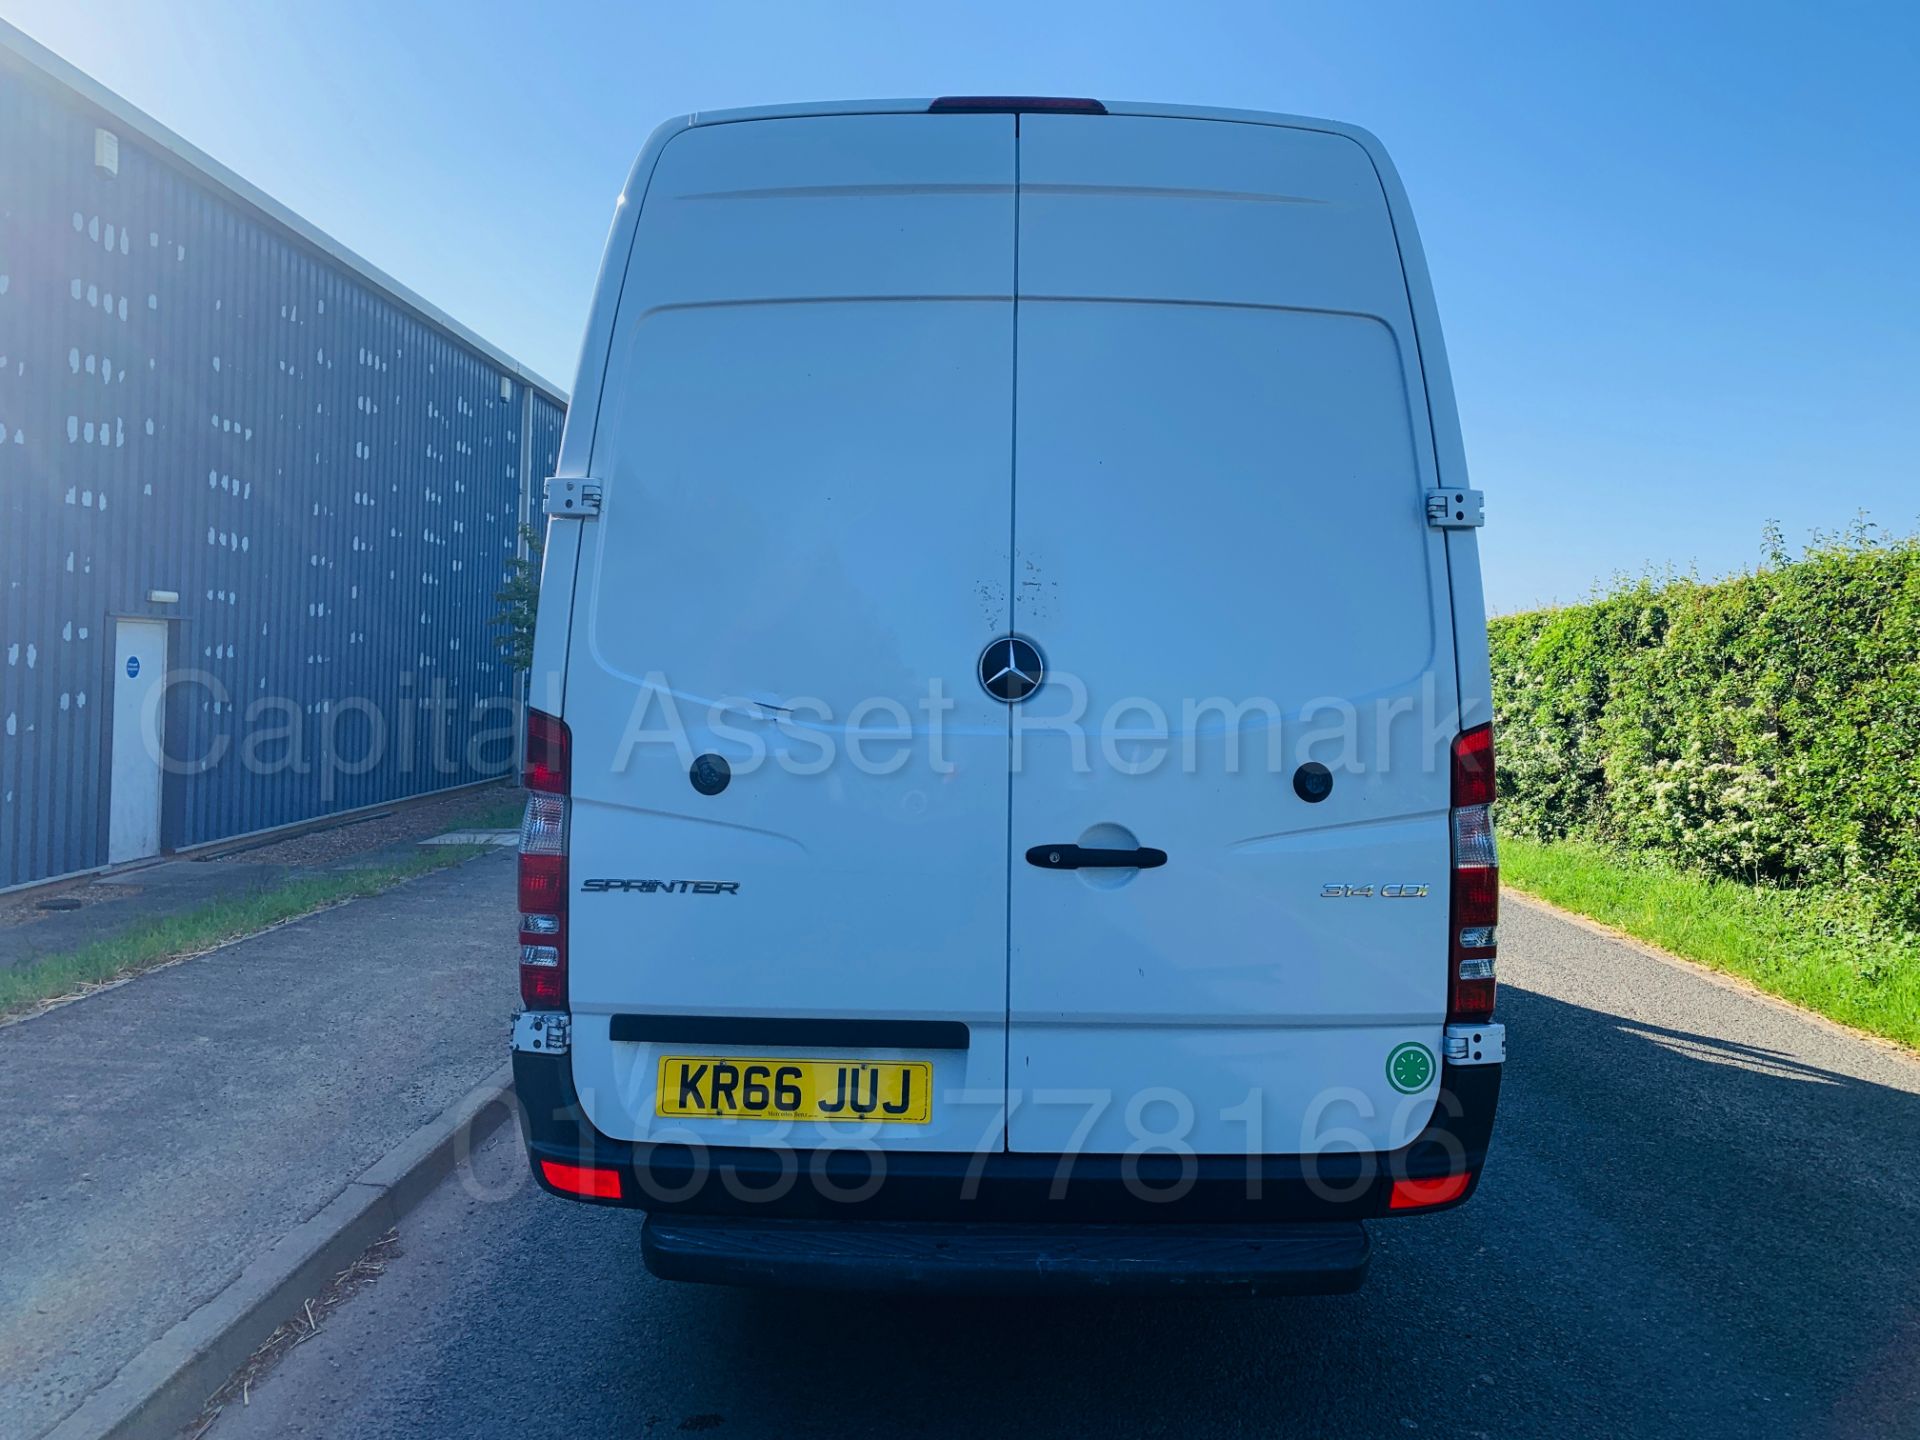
(1677, 1233)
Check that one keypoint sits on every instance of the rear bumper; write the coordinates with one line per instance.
(962, 1258)
(998, 1187)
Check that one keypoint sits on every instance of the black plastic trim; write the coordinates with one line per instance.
(766, 1030)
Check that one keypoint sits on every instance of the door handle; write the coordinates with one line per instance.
(1073, 857)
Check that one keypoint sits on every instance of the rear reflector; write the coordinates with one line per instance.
(1003, 104)
(589, 1180)
(1420, 1194)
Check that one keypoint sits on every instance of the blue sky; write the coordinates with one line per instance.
(1675, 245)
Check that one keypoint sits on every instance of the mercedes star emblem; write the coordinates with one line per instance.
(1011, 669)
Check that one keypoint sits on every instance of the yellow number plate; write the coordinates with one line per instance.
(725, 1087)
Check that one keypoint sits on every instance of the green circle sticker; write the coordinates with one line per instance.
(1410, 1067)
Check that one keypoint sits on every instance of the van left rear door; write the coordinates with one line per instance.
(805, 447)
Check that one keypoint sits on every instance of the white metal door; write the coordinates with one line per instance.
(1219, 542)
(139, 664)
(805, 446)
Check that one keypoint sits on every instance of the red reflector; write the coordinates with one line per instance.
(1418, 1194)
(582, 1179)
(1473, 766)
(1004, 103)
(549, 761)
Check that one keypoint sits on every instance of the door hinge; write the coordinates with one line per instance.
(1474, 1044)
(542, 1032)
(1459, 509)
(572, 499)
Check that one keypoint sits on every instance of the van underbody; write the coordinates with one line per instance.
(1009, 739)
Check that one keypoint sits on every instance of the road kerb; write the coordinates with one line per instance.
(165, 1385)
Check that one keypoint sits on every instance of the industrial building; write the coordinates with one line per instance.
(256, 499)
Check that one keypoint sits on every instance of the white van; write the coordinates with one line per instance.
(1008, 756)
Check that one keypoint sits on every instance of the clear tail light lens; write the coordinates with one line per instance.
(1473, 923)
(1473, 837)
(543, 864)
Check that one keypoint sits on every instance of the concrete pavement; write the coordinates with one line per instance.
(163, 1134)
(1701, 1218)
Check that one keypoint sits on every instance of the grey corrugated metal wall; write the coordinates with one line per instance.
(192, 399)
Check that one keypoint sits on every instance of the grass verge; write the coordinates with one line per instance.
(57, 977)
(496, 813)
(1810, 947)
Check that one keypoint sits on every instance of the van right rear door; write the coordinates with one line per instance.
(1220, 546)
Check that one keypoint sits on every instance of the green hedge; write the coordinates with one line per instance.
(1764, 728)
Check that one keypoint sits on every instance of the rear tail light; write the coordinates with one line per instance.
(1473, 933)
(548, 777)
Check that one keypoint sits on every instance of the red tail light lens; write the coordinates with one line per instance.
(543, 865)
(1473, 767)
(1474, 910)
(543, 884)
(549, 760)
(541, 988)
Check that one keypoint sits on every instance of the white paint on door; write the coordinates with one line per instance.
(139, 662)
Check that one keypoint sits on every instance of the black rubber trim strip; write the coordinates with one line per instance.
(761, 1030)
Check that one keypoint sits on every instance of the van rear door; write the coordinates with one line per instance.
(805, 445)
(1222, 447)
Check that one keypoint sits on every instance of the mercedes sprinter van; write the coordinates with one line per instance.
(1008, 746)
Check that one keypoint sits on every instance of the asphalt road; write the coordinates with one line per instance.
(1700, 1219)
